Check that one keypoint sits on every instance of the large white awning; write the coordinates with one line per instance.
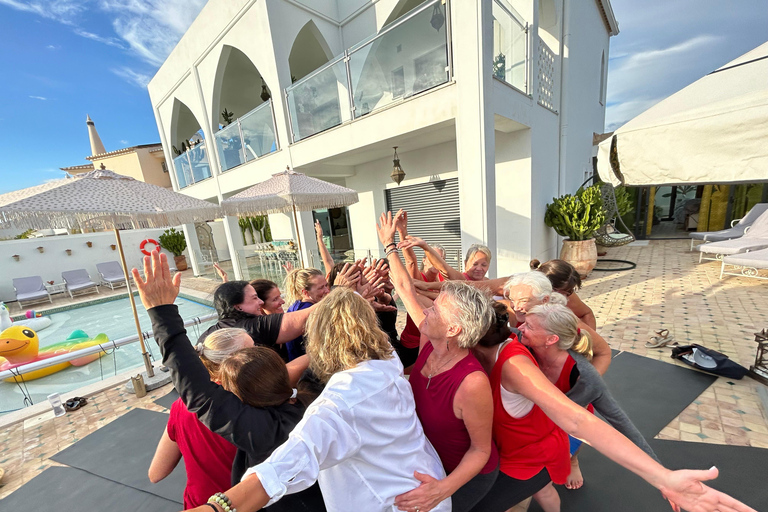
(713, 131)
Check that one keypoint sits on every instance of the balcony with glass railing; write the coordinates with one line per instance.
(510, 46)
(192, 166)
(407, 57)
(247, 138)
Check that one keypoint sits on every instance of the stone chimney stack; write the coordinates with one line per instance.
(97, 147)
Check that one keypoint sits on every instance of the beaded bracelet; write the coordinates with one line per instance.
(223, 501)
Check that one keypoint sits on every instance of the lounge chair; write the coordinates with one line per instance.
(111, 274)
(30, 290)
(755, 238)
(737, 229)
(78, 281)
(750, 263)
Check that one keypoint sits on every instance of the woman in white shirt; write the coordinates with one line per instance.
(361, 438)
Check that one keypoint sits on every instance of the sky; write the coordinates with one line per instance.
(65, 59)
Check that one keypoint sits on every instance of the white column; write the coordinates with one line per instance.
(308, 240)
(234, 244)
(472, 45)
(193, 247)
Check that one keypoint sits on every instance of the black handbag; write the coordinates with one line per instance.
(708, 360)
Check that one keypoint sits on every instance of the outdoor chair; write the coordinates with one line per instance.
(607, 235)
(111, 274)
(78, 281)
(749, 263)
(755, 238)
(30, 290)
(737, 229)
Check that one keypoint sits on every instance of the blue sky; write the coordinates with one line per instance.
(63, 59)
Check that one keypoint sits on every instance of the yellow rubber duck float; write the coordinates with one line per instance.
(19, 345)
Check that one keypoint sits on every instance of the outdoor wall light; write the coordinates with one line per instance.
(397, 172)
(264, 92)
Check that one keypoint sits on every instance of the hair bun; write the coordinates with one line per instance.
(534, 264)
(199, 348)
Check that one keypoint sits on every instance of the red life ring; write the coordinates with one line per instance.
(148, 241)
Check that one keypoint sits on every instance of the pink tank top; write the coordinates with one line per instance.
(434, 407)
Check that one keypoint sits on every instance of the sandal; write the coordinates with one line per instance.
(662, 339)
(75, 403)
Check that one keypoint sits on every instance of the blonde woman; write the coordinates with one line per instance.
(476, 262)
(304, 288)
(207, 456)
(361, 438)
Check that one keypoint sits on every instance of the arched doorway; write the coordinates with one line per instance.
(190, 160)
(243, 125)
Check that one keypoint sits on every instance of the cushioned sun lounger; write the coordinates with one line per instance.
(111, 274)
(754, 238)
(748, 264)
(78, 281)
(30, 290)
(738, 226)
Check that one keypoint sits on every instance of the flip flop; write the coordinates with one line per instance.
(75, 403)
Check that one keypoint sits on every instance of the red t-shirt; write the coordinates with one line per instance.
(434, 406)
(527, 444)
(411, 336)
(207, 456)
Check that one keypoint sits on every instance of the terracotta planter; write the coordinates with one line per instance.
(181, 262)
(582, 255)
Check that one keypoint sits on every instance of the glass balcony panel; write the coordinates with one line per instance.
(509, 48)
(319, 101)
(198, 160)
(183, 170)
(229, 146)
(404, 60)
(258, 132)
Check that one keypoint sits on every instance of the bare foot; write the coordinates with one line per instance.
(575, 479)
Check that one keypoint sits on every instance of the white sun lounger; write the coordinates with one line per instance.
(78, 281)
(749, 264)
(755, 238)
(737, 229)
(111, 274)
(30, 290)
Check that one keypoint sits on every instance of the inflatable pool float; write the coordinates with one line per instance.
(34, 322)
(19, 345)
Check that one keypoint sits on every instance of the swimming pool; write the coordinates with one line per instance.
(113, 318)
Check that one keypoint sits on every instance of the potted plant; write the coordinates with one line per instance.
(174, 242)
(576, 217)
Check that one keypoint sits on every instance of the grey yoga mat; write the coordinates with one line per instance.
(60, 489)
(122, 451)
(167, 400)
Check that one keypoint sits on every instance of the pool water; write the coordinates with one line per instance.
(115, 319)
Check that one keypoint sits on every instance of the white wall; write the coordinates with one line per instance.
(53, 261)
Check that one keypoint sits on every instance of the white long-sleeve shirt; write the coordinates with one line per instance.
(361, 439)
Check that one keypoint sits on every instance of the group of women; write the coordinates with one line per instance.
(480, 424)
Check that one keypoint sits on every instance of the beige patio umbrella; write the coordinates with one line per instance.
(289, 191)
(108, 197)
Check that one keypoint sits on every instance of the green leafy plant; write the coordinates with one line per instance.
(24, 234)
(577, 216)
(173, 241)
(623, 201)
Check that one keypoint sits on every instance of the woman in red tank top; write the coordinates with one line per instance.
(451, 391)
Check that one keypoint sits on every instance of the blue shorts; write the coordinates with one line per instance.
(575, 444)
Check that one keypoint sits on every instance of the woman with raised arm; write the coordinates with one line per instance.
(452, 393)
(566, 280)
(325, 254)
(255, 407)
(476, 262)
(304, 288)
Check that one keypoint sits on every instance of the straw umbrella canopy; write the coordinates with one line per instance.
(289, 191)
(107, 197)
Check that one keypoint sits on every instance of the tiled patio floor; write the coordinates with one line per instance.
(667, 289)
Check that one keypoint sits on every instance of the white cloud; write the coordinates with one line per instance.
(133, 77)
(147, 28)
(52, 47)
(42, 98)
(124, 142)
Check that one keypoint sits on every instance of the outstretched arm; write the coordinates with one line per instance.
(684, 489)
(601, 351)
(293, 324)
(434, 257)
(411, 263)
(167, 456)
(582, 311)
(325, 255)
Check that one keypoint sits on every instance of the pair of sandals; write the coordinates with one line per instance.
(661, 340)
(75, 403)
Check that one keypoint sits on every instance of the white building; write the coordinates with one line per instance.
(492, 104)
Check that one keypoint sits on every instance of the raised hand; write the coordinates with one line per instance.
(412, 241)
(318, 230)
(386, 228)
(157, 288)
(401, 223)
(348, 277)
(220, 271)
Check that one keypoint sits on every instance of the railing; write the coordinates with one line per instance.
(510, 46)
(192, 166)
(546, 67)
(407, 57)
(249, 137)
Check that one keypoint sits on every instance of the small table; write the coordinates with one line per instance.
(55, 288)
